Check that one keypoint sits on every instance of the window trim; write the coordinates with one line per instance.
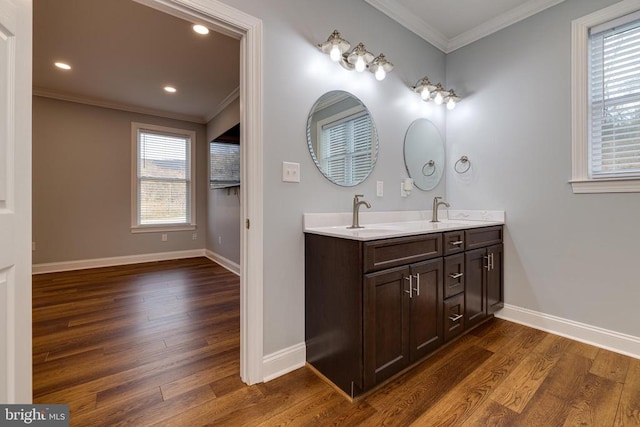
(580, 180)
(140, 228)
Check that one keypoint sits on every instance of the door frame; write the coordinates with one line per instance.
(248, 30)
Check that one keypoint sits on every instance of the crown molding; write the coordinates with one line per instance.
(408, 19)
(235, 94)
(46, 93)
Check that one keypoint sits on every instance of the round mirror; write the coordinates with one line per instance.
(342, 138)
(424, 154)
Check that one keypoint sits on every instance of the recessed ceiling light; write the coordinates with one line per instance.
(62, 65)
(170, 89)
(200, 29)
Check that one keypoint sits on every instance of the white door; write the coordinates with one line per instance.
(15, 201)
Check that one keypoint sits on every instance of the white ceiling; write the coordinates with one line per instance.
(124, 53)
(451, 24)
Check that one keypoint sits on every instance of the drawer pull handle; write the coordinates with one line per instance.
(456, 243)
(455, 317)
(410, 291)
(456, 275)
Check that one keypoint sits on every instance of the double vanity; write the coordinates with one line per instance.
(379, 299)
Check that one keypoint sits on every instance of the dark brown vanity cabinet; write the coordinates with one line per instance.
(373, 308)
(484, 274)
(402, 317)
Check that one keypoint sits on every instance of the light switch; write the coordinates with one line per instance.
(379, 188)
(290, 172)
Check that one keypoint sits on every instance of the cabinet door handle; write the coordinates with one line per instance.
(417, 289)
(455, 318)
(456, 275)
(493, 265)
(410, 291)
(456, 243)
(488, 258)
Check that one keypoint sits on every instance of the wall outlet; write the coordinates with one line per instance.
(290, 172)
(194, 236)
(219, 240)
(164, 238)
(379, 188)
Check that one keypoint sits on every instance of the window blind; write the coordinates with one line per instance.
(164, 178)
(615, 99)
(345, 151)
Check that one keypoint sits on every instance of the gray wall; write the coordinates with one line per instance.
(296, 73)
(82, 184)
(570, 255)
(223, 212)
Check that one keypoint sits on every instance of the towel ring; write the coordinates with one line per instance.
(464, 160)
(430, 164)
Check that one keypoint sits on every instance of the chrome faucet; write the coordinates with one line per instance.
(356, 210)
(434, 210)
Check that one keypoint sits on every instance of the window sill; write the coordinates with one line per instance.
(162, 228)
(620, 185)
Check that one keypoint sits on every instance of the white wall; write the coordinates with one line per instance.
(223, 205)
(82, 184)
(574, 256)
(296, 73)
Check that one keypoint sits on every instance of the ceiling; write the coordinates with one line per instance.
(451, 24)
(123, 53)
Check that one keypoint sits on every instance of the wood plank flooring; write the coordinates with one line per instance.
(158, 344)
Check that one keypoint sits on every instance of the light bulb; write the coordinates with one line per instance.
(335, 53)
(360, 64)
(425, 94)
(380, 73)
(451, 104)
(438, 99)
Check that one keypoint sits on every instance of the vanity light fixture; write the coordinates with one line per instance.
(380, 67)
(335, 46)
(359, 58)
(436, 93)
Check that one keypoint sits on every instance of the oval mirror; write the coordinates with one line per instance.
(342, 138)
(424, 154)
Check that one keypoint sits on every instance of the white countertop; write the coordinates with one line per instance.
(383, 225)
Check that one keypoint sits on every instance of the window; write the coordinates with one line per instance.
(344, 152)
(606, 100)
(163, 194)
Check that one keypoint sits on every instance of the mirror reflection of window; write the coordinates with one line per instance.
(342, 138)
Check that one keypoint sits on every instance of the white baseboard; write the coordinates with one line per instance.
(225, 262)
(283, 361)
(54, 267)
(599, 337)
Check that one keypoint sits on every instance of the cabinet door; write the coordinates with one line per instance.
(426, 308)
(475, 303)
(386, 324)
(495, 279)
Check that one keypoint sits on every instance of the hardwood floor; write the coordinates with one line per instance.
(158, 344)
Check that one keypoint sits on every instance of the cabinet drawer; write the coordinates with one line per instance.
(387, 253)
(453, 275)
(481, 237)
(453, 242)
(453, 316)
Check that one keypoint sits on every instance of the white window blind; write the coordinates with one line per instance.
(164, 178)
(345, 149)
(614, 90)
